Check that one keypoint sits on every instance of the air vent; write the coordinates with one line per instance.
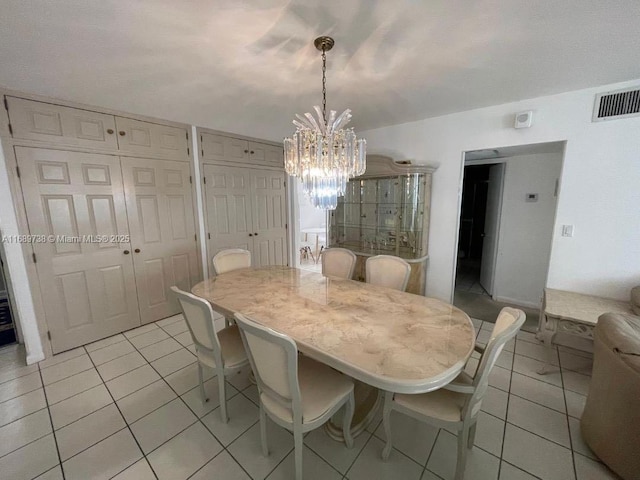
(618, 104)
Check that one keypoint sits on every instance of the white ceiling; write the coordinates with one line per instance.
(248, 66)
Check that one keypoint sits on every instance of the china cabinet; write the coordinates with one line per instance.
(386, 212)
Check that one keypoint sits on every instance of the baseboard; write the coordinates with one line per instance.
(35, 357)
(515, 301)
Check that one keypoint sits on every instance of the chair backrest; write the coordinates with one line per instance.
(199, 317)
(231, 259)
(274, 360)
(388, 271)
(506, 327)
(338, 262)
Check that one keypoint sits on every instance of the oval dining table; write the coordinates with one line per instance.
(385, 339)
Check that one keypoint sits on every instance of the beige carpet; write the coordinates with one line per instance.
(485, 308)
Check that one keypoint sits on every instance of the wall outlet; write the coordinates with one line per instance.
(567, 230)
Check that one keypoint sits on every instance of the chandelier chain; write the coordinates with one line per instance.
(324, 86)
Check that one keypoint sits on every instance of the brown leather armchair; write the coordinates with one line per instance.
(610, 422)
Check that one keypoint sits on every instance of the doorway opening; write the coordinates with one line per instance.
(507, 216)
(311, 232)
(8, 333)
(472, 227)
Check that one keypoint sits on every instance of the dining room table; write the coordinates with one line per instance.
(384, 339)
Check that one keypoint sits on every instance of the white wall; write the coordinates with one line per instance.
(526, 228)
(309, 215)
(600, 185)
(17, 270)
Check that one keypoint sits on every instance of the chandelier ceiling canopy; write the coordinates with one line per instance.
(321, 152)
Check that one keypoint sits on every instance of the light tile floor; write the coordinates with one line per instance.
(128, 408)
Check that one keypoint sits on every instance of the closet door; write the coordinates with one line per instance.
(87, 287)
(163, 233)
(31, 120)
(228, 199)
(269, 206)
(144, 138)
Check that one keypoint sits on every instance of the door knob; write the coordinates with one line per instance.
(122, 133)
(251, 234)
(137, 250)
(110, 131)
(126, 252)
(256, 234)
(246, 151)
(252, 152)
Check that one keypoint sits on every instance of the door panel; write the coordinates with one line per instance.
(265, 154)
(269, 206)
(491, 227)
(228, 198)
(88, 289)
(144, 138)
(220, 148)
(161, 220)
(31, 120)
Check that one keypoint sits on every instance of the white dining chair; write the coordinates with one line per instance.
(295, 391)
(457, 404)
(338, 262)
(231, 259)
(388, 271)
(222, 351)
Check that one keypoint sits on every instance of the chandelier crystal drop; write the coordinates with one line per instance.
(321, 152)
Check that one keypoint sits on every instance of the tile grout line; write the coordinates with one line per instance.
(198, 419)
(566, 406)
(245, 392)
(431, 453)
(126, 426)
(16, 378)
(360, 453)
(53, 430)
(24, 416)
(520, 469)
(506, 413)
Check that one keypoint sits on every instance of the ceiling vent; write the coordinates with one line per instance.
(618, 104)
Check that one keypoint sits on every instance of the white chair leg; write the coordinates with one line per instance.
(223, 398)
(472, 435)
(203, 395)
(349, 408)
(386, 421)
(263, 431)
(298, 449)
(463, 440)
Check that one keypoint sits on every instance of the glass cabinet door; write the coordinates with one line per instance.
(381, 216)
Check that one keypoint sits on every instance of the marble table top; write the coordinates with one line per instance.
(579, 307)
(389, 339)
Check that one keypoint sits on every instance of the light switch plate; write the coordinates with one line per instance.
(567, 230)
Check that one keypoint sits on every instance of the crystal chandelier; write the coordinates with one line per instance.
(322, 153)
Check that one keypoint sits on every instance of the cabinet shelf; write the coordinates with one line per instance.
(386, 212)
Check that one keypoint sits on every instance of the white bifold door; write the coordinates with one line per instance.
(246, 208)
(107, 250)
(163, 232)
